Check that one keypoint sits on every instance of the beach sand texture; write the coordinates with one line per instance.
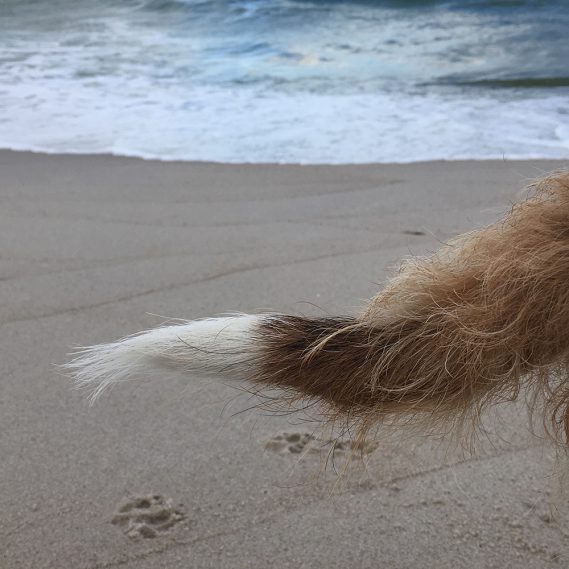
(170, 472)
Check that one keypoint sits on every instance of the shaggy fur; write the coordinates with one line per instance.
(473, 324)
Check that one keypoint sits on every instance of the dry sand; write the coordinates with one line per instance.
(168, 473)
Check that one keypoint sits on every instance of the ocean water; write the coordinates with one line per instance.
(299, 81)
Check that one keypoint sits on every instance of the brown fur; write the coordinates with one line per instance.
(484, 317)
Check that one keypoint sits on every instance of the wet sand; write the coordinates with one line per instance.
(175, 471)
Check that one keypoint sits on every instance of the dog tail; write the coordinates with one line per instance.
(268, 349)
(473, 324)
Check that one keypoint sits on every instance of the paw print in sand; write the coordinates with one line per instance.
(297, 443)
(286, 443)
(147, 516)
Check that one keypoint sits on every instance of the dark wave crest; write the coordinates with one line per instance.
(520, 83)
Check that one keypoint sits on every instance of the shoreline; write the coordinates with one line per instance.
(315, 164)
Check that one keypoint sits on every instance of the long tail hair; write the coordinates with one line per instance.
(483, 318)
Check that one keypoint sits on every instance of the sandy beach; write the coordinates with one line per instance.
(180, 472)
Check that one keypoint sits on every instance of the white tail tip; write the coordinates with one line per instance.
(214, 346)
